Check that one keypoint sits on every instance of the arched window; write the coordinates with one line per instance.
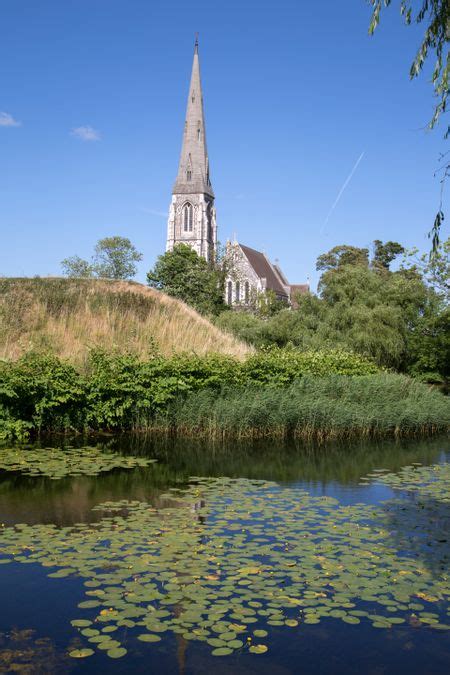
(238, 291)
(229, 293)
(187, 217)
(246, 292)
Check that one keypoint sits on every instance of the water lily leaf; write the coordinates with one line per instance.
(81, 653)
(258, 649)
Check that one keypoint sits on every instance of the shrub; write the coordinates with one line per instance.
(40, 392)
(273, 389)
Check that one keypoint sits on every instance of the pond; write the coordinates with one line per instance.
(242, 559)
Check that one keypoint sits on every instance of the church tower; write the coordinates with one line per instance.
(192, 216)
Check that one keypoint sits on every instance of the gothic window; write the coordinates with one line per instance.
(199, 133)
(238, 291)
(229, 293)
(188, 174)
(187, 217)
(246, 292)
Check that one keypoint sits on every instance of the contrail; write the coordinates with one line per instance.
(341, 191)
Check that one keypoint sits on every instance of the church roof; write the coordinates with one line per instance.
(193, 169)
(264, 269)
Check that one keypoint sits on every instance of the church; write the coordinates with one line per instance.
(192, 215)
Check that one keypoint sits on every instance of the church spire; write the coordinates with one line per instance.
(192, 215)
(193, 169)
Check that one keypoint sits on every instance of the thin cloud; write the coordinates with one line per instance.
(7, 120)
(86, 133)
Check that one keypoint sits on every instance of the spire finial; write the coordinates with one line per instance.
(196, 44)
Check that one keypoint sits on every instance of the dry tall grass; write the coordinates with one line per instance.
(70, 316)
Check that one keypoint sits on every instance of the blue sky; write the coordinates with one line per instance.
(294, 93)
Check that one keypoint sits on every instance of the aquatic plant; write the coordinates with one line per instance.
(56, 463)
(312, 408)
(226, 560)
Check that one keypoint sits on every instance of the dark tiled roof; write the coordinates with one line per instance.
(279, 271)
(264, 270)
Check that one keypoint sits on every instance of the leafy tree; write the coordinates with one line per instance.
(428, 344)
(114, 258)
(183, 274)
(435, 269)
(370, 312)
(386, 253)
(342, 255)
(77, 267)
(268, 304)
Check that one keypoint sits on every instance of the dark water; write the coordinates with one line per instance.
(35, 611)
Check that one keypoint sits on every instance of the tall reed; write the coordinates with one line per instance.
(312, 409)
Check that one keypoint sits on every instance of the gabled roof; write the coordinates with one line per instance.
(264, 269)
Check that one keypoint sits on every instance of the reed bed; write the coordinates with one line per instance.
(311, 409)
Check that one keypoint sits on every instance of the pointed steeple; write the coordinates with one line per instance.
(193, 169)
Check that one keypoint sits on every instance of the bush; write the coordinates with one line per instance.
(40, 392)
(120, 392)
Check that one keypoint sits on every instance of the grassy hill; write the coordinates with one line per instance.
(70, 316)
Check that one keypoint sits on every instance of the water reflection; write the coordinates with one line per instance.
(333, 470)
(414, 529)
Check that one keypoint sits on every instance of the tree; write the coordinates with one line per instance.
(183, 274)
(114, 258)
(435, 269)
(342, 255)
(77, 267)
(386, 253)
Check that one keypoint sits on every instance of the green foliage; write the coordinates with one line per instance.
(77, 268)
(284, 366)
(120, 392)
(314, 408)
(244, 325)
(434, 269)
(185, 275)
(385, 253)
(114, 258)
(342, 255)
(429, 346)
(268, 304)
(40, 392)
